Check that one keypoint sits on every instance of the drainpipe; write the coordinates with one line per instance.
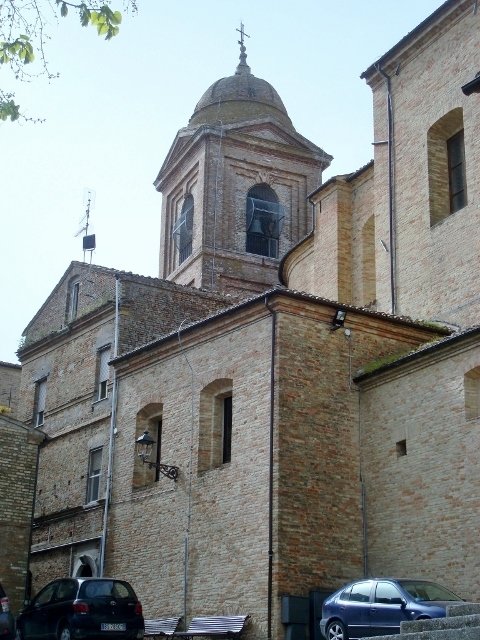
(313, 214)
(28, 583)
(391, 200)
(270, 474)
(186, 557)
(113, 431)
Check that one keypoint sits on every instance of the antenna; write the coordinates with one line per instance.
(88, 240)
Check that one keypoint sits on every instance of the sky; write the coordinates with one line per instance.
(112, 115)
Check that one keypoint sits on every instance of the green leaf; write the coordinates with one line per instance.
(102, 28)
(85, 16)
(116, 18)
(8, 109)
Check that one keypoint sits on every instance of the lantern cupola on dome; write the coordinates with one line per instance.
(239, 98)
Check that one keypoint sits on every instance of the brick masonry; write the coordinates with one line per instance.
(336, 469)
(10, 375)
(315, 428)
(18, 466)
(437, 266)
(425, 503)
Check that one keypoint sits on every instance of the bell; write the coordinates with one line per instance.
(256, 227)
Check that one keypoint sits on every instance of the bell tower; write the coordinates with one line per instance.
(235, 183)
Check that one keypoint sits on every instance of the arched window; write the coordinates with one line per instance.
(148, 419)
(183, 229)
(264, 217)
(368, 263)
(471, 381)
(446, 166)
(72, 299)
(216, 421)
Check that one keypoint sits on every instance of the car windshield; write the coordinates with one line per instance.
(106, 588)
(427, 591)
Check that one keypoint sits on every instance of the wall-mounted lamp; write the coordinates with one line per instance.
(144, 446)
(338, 319)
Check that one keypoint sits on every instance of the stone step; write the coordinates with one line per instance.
(439, 624)
(463, 609)
(461, 633)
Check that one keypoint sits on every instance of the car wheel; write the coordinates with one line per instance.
(65, 633)
(336, 631)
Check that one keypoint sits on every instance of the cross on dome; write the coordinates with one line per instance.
(242, 66)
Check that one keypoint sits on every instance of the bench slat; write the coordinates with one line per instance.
(161, 626)
(214, 626)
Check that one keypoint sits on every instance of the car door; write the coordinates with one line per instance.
(60, 606)
(34, 618)
(387, 610)
(356, 611)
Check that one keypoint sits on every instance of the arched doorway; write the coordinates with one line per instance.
(85, 567)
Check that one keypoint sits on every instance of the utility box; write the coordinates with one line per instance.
(295, 617)
(316, 601)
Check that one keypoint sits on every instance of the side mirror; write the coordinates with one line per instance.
(401, 601)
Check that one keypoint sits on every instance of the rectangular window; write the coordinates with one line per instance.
(40, 396)
(456, 171)
(401, 448)
(227, 429)
(94, 472)
(75, 290)
(103, 373)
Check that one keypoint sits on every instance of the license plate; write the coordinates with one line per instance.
(110, 626)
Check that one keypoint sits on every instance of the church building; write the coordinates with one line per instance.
(294, 402)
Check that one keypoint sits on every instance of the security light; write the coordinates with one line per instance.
(338, 319)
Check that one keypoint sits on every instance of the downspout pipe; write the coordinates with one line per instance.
(186, 559)
(113, 431)
(391, 192)
(270, 471)
(27, 592)
(314, 222)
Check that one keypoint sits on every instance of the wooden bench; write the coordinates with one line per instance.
(161, 627)
(214, 626)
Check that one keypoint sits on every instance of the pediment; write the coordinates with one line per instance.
(272, 130)
(267, 129)
(97, 286)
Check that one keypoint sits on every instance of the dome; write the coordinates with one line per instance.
(239, 97)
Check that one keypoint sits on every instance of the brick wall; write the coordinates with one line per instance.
(225, 169)
(335, 267)
(315, 435)
(151, 308)
(422, 514)
(438, 266)
(229, 504)
(319, 499)
(18, 465)
(9, 383)
(97, 288)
